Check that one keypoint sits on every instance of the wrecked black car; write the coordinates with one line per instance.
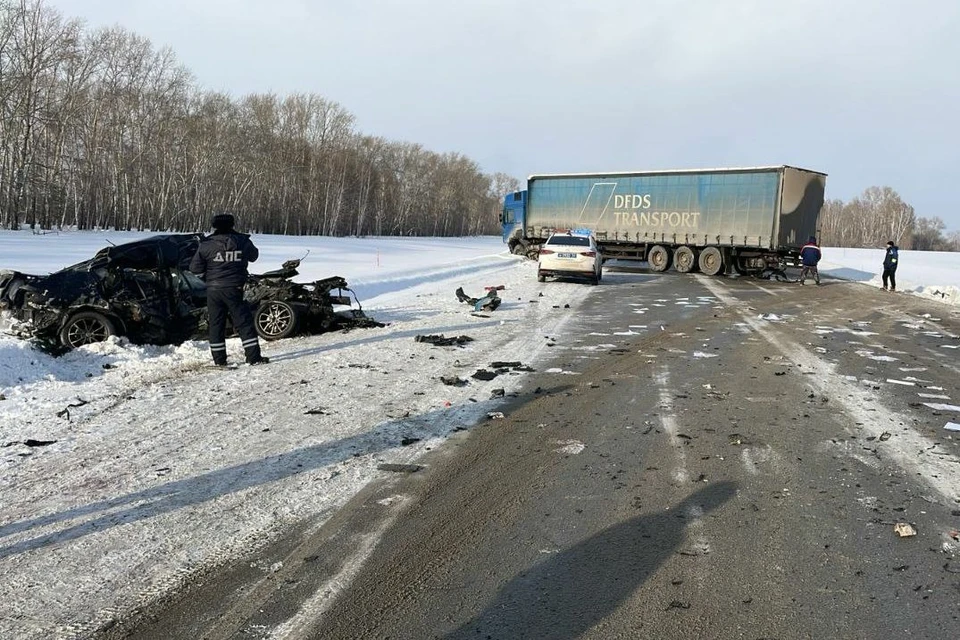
(145, 291)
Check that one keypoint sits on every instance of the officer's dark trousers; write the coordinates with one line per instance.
(889, 275)
(220, 302)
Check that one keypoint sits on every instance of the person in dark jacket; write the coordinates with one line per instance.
(810, 257)
(890, 266)
(221, 260)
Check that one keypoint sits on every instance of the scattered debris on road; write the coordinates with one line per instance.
(904, 529)
(454, 381)
(495, 415)
(952, 426)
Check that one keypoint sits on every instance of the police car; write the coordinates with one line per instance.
(570, 254)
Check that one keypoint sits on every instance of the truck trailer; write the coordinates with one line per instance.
(716, 220)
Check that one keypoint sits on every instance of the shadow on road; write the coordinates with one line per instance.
(569, 593)
(187, 492)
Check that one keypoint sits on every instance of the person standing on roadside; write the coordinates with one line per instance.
(890, 261)
(809, 258)
(221, 260)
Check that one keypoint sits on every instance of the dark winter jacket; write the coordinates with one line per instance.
(222, 259)
(810, 254)
(890, 260)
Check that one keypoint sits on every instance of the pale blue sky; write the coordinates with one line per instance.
(867, 92)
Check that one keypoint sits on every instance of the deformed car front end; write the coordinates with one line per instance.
(283, 308)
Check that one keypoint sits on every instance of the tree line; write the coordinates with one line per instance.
(879, 215)
(98, 129)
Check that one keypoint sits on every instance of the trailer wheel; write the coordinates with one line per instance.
(711, 261)
(658, 258)
(685, 259)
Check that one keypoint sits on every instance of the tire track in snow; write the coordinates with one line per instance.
(681, 475)
(940, 472)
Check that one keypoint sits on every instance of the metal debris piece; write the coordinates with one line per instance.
(495, 415)
(400, 468)
(30, 442)
(904, 529)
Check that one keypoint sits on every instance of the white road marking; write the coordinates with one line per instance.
(765, 290)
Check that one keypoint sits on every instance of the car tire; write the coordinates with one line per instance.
(86, 327)
(541, 277)
(275, 320)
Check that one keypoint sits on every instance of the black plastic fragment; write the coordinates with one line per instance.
(399, 468)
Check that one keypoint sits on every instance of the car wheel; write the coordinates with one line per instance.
(541, 277)
(86, 327)
(275, 320)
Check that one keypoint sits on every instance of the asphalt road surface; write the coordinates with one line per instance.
(712, 458)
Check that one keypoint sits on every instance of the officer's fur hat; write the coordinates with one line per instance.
(222, 222)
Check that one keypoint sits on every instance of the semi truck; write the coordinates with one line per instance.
(743, 219)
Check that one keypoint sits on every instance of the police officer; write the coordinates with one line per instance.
(890, 260)
(222, 262)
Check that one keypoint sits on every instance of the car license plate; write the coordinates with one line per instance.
(566, 255)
